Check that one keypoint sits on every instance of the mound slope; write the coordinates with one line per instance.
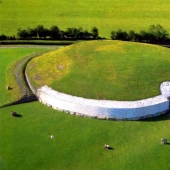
(113, 70)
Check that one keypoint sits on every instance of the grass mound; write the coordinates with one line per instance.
(112, 70)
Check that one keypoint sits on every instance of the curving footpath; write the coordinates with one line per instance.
(20, 75)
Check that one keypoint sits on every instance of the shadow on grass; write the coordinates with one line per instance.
(14, 114)
(167, 143)
(110, 148)
(10, 88)
(163, 117)
(18, 115)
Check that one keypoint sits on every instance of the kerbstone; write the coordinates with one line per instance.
(165, 88)
(107, 109)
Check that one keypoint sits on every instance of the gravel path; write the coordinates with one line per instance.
(20, 76)
(21, 66)
(19, 70)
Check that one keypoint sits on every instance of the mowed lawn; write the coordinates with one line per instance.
(106, 15)
(8, 59)
(78, 144)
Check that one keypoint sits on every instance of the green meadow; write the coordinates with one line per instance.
(78, 144)
(106, 15)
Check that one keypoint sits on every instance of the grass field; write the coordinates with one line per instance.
(78, 144)
(112, 70)
(106, 15)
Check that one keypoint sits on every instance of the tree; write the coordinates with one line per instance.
(158, 34)
(46, 33)
(113, 35)
(69, 33)
(86, 34)
(72, 33)
(121, 35)
(75, 33)
(132, 36)
(11, 37)
(95, 33)
(42, 32)
(80, 34)
(144, 36)
(3, 37)
(61, 34)
(22, 34)
(54, 32)
(32, 33)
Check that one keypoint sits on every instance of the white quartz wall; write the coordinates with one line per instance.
(104, 109)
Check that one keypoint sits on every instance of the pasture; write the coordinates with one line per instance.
(78, 144)
(105, 15)
(25, 141)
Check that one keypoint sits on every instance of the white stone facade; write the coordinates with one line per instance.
(165, 89)
(107, 109)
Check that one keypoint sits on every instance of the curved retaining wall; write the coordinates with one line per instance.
(107, 109)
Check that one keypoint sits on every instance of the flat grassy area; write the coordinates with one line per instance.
(78, 144)
(25, 141)
(112, 70)
(8, 59)
(105, 15)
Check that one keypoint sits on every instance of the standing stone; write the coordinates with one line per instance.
(163, 141)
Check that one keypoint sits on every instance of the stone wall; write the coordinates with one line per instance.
(29, 84)
(106, 109)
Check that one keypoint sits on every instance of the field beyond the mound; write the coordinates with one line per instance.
(113, 70)
(105, 15)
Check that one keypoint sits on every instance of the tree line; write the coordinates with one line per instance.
(54, 33)
(155, 34)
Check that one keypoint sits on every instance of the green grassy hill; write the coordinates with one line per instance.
(109, 69)
(106, 15)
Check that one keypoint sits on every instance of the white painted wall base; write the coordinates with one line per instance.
(107, 109)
